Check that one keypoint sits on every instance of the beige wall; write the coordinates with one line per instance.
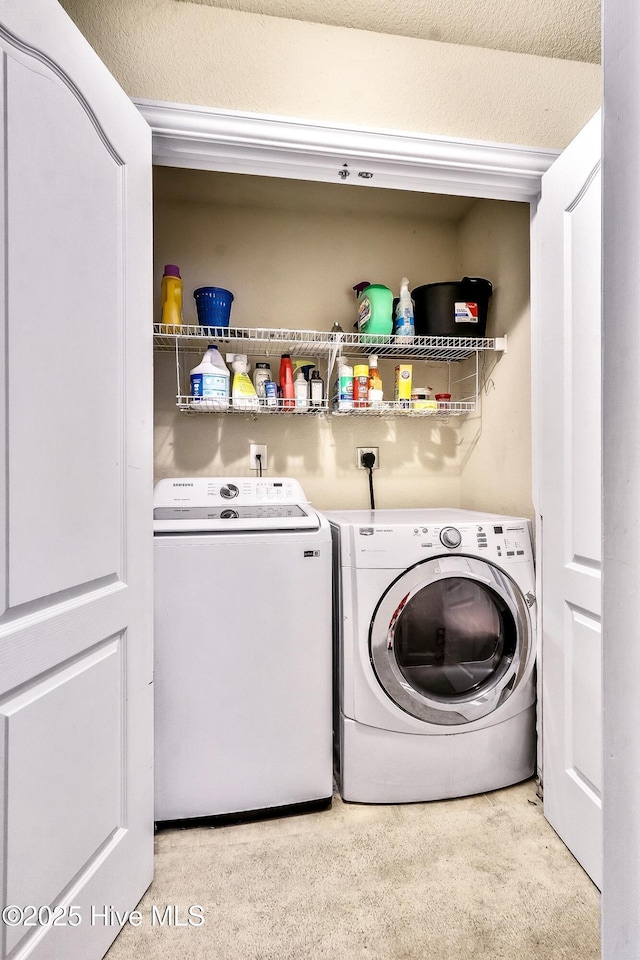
(193, 53)
(291, 252)
(496, 448)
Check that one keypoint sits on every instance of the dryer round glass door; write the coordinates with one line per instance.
(450, 639)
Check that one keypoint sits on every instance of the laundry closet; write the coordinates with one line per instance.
(291, 250)
(441, 212)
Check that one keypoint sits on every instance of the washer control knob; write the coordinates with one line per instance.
(229, 491)
(229, 514)
(450, 537)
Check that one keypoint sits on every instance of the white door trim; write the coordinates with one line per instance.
(207, 138)
(621, 481)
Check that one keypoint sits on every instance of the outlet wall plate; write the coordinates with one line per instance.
(361, 450)
(255, 448)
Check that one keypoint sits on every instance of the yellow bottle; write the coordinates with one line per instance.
(171, 297)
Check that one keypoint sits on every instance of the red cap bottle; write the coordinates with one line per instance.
(286, 380)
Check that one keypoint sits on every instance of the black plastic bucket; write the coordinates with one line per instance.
(456, 309)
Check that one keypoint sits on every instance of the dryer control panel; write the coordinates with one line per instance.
(396, 543)
(511, 540)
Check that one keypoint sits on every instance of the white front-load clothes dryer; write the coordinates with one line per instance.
(434, 643)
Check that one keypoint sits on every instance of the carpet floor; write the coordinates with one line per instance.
(483, 877)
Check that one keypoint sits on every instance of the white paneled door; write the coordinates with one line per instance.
(75, 492)
(567, 292)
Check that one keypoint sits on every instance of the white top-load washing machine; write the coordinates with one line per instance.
(435, 651)
(243, 667)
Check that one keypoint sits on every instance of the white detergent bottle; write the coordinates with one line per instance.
(210, 381)
(243, 392)
(301, 389)
(404, 326)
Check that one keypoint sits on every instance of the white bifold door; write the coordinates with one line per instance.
(76, 705)
(567, 318)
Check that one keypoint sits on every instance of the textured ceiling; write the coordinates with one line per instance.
(569, 29)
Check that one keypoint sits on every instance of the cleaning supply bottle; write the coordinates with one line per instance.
(316, 389)
(404, 328)
(343, 388)
(261, 373)
(243, 392)
(375, 384)
(270, 393)
(361, 385)
(305, 365)
(286, 380)
(171, 295)
(301, 389)
(375, 309)
(210, 381)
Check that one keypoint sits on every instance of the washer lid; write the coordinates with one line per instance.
(223, 504)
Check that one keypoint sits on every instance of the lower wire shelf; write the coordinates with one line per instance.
(390, 408)
(462, 356)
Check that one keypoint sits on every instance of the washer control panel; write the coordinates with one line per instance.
(184, 504)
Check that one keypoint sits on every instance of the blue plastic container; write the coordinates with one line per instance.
(213, 305)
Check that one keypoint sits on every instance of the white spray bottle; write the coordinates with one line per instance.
(404, 326)
(243, 392)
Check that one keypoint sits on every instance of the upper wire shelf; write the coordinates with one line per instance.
(256, 341)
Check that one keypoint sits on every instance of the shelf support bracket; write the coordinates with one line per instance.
(178, 374)
(334, 351)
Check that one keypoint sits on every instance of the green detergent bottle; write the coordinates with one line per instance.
(375, 312)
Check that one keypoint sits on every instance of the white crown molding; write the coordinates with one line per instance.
(206, 138)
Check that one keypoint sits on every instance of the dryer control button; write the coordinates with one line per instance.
(450, 537)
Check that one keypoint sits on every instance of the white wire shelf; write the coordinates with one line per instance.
(265, 342)
(188, 404)
(391, 408)
(396, 408)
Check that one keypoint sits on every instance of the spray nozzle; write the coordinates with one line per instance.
(305, 366)
(239, 362)
(359, 287)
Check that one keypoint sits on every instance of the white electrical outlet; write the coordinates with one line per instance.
(261, 449)
(361, 450)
